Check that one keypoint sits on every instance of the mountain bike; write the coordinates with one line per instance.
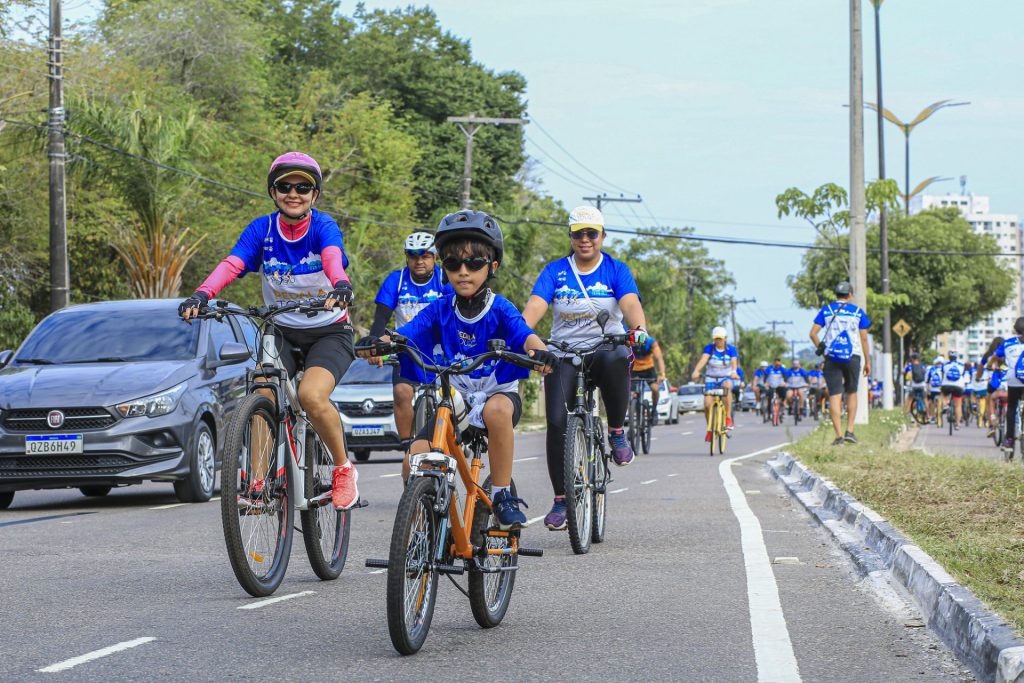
(775, 408)
(796, 405)
(275, 463)
(918, 408)
(430, 536)
(716, 415)
(640, 417)
(586, 456)
(999, 428)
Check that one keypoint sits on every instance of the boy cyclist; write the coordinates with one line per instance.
(298, 252)
(471, 247)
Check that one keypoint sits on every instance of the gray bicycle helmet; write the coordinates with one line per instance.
(471, 224)
(844, 288)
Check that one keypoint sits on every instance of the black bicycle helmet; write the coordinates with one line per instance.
(844, 288)
(471, 224)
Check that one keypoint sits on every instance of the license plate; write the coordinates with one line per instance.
(53, 443)
(368, 430)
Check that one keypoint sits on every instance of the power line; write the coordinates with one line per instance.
(581, 164)
(587, 184)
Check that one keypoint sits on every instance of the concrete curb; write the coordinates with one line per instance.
(979, 638)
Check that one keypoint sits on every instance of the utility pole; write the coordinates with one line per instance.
(469, 125)
(883, 230)
(732, 303)
(858, 247)
(604, 198)
(59, 275)
(773, 323)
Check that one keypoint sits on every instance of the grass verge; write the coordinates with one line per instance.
(967, 513)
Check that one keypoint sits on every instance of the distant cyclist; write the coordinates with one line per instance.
(1011, 353)
(954, 379)
(815, 385)
(721, 360)
(934, 380)
(796, 385)
(775, 380)
(645, 357)
(915, 376)
(759, 378)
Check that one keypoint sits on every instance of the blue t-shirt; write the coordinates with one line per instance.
(292, 269)
(406, 298)
(775, 376)
(575, 315)
(997, 380)
(839, 319)
(1011, 352)
(440, 332)
(796, 377)
(720, 361)
(814, 377)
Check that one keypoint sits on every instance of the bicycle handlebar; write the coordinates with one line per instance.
(577, 350)
(222, 308)
(400, 344)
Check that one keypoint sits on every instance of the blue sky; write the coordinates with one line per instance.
(710, 108)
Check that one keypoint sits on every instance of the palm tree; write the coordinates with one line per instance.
(139, 143)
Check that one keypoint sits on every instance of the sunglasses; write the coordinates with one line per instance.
(301, 188)
(587, 233)
(412, 253)
(473, 264)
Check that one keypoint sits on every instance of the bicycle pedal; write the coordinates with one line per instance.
(378, 564)
(457, 569)
(530, 552)
(362, 503)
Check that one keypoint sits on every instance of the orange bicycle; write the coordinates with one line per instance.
(430, 536)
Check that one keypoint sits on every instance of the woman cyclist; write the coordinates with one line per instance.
(299, 253)
(578, 287)
(721, 359)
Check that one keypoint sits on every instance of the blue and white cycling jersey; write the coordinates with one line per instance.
(980, 385)
(934, 377)
(575, 312)
(814, 378)
(775, 376)
(954, 374)
(796, 378)
(997, 382)
(1012, 354)
(406, 298)
(842, 323)
(719, 360)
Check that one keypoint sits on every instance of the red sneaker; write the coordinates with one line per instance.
(728, 423)
(344, 492)
(707, 437)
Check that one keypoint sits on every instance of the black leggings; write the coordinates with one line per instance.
(1013, 396)
(609, 371)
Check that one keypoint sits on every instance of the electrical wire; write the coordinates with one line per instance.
(581, 164)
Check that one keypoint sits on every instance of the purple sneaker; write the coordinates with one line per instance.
(1008, 444)
(621, 450)
(555, 520)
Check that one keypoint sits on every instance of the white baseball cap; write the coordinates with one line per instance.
(585, 217)
(718, 333)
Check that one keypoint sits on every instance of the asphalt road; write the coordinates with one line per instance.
(688, 586)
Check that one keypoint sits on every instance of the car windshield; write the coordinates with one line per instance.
(107, 334)
(689, 390)
(361, 372)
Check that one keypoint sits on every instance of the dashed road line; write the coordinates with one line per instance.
(649, 481)
(393, 474)
(687, 433)
(619, 490)
(533, 457)
(271, 601)
(95, 654)
(168, 507)
(378, 571)
(674, 474)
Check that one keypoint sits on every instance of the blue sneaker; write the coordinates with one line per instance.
(507, 512)
(555, 520)
(622, 452)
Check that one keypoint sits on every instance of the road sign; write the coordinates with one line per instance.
(901, 328)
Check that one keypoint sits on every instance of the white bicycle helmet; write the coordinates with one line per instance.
(764, 364)
(937, 361)
(420, 241)
(718, 332)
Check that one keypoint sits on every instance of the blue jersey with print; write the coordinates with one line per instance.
(814, 377)
(720, 360)
(1011, 351)
(934, 376)
(575, 313)
(740, 374)
(441, 332)
(796, 378)
(997, 381)
(406, 297)
(843, 318)
(775, 376)
(292, 269)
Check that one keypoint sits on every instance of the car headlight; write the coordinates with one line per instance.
(663, 400)
(153, 406)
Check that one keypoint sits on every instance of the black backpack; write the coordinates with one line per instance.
(917, 373)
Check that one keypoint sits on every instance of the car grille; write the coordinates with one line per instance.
(63, 465)
(75, 419)
(355, 409)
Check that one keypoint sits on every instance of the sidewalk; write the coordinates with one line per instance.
(968, 441)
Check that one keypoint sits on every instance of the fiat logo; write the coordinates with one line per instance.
(54, 419)
(368, 406)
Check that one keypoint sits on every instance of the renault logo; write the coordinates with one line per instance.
(54, 419)
(368, 406)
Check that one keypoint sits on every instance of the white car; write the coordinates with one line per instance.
(668, 403)
(366, 403)
(691, 398)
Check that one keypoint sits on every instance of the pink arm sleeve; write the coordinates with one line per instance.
(223, 275)
(333, 268)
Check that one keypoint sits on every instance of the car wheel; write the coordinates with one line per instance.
(95, 491)
(197, 486)
(361, 454)
(5, 499)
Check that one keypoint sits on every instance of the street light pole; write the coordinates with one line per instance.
(883, 231)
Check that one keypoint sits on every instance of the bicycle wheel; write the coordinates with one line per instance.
(645, 435)
(576, 471)
(721, 438)
(491, 592)
(600, 481)
(950, 417)
(325, 530)
(412, 579)
(713, 418)
(423, 411)
(796, 412)
(633, 432)
(256, 502)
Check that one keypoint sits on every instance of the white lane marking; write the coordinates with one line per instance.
(388, 476)
(215, 499)
(533, 457)
(773, 650)
(271, 601)
(674, 474)
(378, 571)
(96, 654)
(649, 481)
(168, 507)
(535, 519)
(619, 490)
(687, 433)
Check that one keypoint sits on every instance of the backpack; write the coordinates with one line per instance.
(917, 373)
(839, 349)
(953, 372)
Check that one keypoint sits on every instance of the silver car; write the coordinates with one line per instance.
(668, 403)
(366, 403)
(691, 398)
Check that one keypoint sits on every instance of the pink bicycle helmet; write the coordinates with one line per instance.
(295, 162)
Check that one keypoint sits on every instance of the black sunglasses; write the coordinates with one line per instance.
(586, 233)
(301, 188)
(473, 264)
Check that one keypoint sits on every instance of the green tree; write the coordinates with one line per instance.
(758, 345)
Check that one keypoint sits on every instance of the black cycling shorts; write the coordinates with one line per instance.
(955, 392)
(650, 374)
(396, 377)
(329, 347)
(779, 391)
(842, 377)
(427, 432)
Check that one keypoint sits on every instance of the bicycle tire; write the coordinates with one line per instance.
(713, 426)
(490, 594)
(325, 530)
(951, 417)
(600, 480)
(423, 412)
(796, 412)
(645, 435)
(722, 437)
(413, 543)
(632, 432)
(272, 506)
(579, 501)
